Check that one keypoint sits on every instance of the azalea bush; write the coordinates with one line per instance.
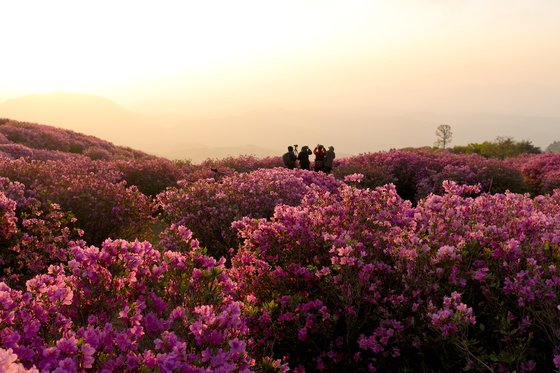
(208, 207)
(243, 163)
(127, 306)
(32, 236)
(541, 171)
(103, 205)
(151, 177)
(417, 173)
(400, 261)
(219, 168)
(363, 280)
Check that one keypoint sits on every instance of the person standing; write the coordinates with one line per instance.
(289, 158)
(319, 152)
(303, 157)
(329, 158)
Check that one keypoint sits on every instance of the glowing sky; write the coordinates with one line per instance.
(145, 49)
(222, 57)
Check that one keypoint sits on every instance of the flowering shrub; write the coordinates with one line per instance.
(541, 171)
(194, 173)
(102, 204)
(97, 153)
(208, 207)
(243, 163)
(31, 238)
(424, 274)
(502, 252)
(8, 217)
(16, 151)
(363, 280)
(3, 138)
(417, 173)
(318, 282)
(219, 168)
(452, 316)
(151, 177)
(127, 306)
(373, 175)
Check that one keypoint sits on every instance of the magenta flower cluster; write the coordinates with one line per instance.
(150, 176)
(363, 280)
(419, 172)
(32, 235)
(94, 193)
(208, 207)
(541, 171)
(128, 307)
(243, 163)
(409, 264)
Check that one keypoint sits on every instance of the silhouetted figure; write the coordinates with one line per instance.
(319, 152)
(329, 158)
(289, 158)
(303, 158)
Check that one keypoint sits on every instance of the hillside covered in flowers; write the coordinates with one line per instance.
(414, 260)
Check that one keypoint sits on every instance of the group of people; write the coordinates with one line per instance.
(323, 158)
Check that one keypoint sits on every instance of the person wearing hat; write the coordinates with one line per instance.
(329, 158)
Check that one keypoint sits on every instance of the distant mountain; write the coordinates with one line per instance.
(83, 113)
(269, 132)
(348, 132)
(197, 153)
(63, 101)
(353, 131)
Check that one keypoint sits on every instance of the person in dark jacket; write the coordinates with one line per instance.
(329, 158)
(289, 158)
(303, 157)
(319, 152)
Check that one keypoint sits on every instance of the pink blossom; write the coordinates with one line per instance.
(9, 364)
(557, 361)
(353, 178)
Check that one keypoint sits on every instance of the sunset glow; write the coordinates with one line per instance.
(104, 45)
(64, 45)
(209, 59)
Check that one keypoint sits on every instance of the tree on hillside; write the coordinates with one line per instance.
(502, 147)
(444, 136)
(553, 148)
(525, 146)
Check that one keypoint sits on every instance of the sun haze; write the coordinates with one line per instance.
(363, 62)
(69, 45)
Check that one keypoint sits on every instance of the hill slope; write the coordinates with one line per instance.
(88, 114)
(45, 142)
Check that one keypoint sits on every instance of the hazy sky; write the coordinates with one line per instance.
(498, 55)
(214, 58)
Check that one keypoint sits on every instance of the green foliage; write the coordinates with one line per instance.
(553, 148)
(502, 147)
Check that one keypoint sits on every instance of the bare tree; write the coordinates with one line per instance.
(444, 135)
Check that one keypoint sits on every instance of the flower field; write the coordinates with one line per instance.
(401, 261)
